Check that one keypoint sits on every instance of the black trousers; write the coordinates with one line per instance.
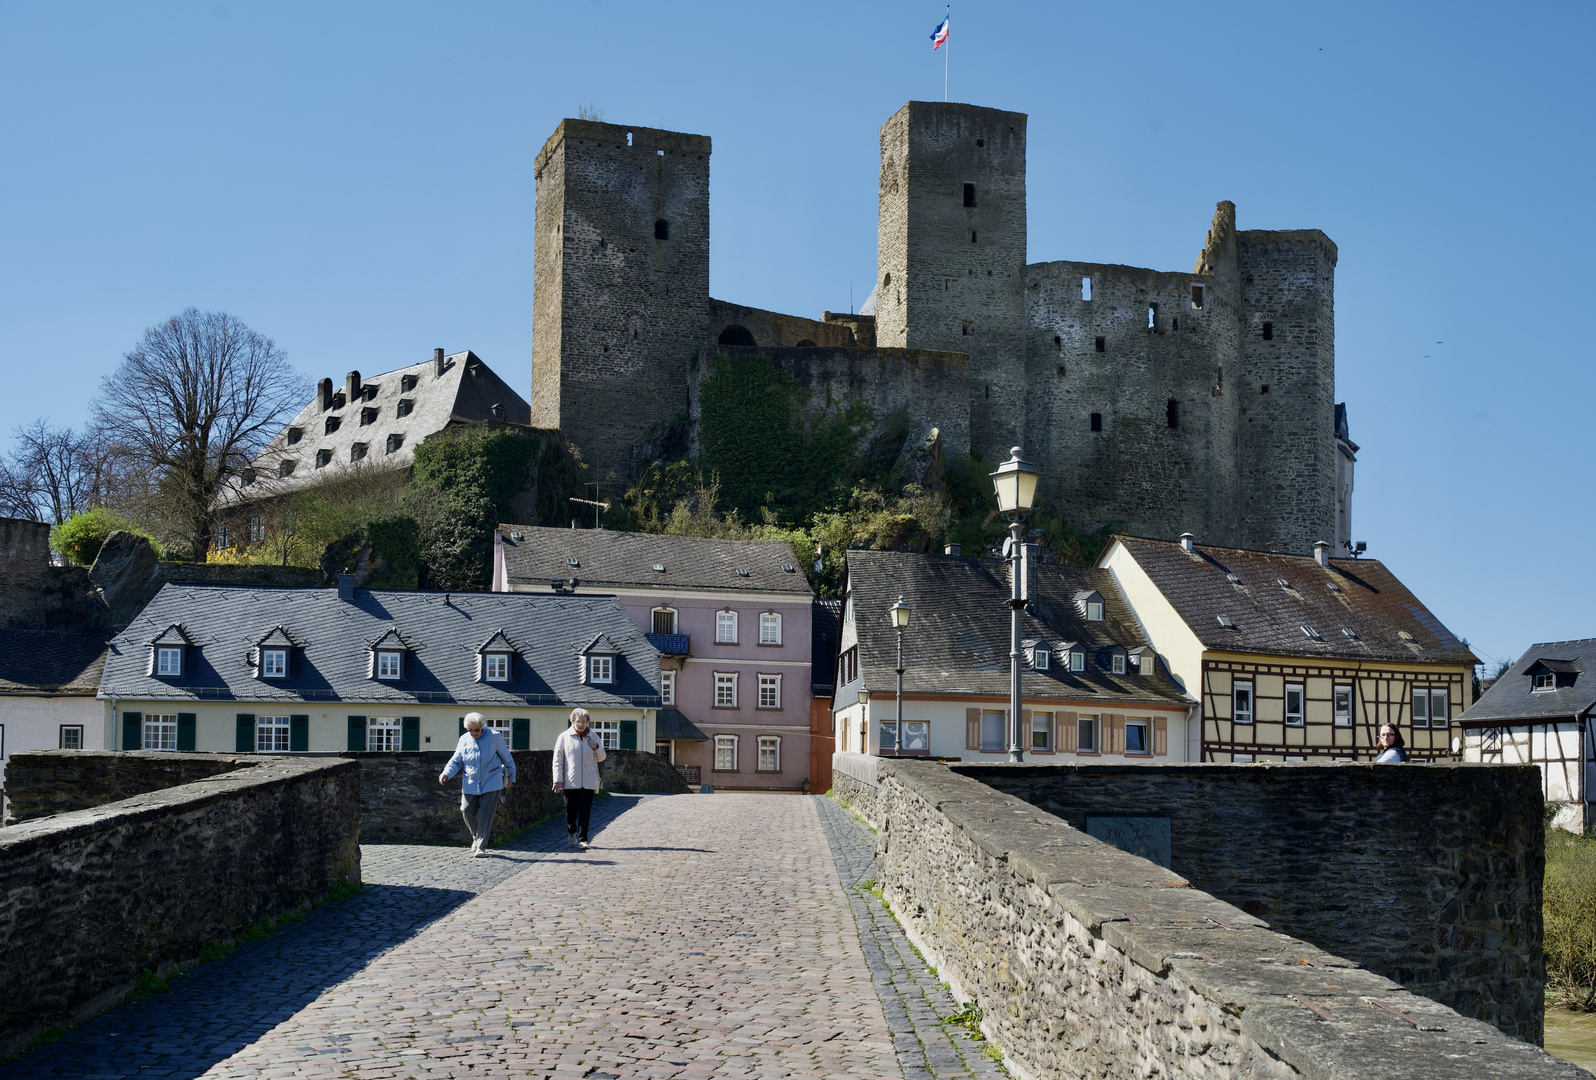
(578, 809)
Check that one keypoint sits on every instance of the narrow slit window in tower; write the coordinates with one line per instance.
(1086, 288)
(969, 194)
(1152, 316)
(965, 330)
(1268, 331)
(972, 236)
(1097, 421)
(628, 138)
(1058, 342)
(662, 229)
(1172, 414)
(1197, 297)
(1101, 345)
(1264, 389)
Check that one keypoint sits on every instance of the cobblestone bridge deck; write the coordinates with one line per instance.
(703, 936)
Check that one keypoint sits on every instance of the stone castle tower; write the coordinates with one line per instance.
(1158, 402)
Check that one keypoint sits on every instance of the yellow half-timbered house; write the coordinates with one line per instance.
(1295, 657)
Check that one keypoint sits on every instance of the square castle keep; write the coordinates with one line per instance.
(1157, 402)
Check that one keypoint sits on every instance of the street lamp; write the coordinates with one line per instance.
(864, 720)
(1015, 483)
(899, 613)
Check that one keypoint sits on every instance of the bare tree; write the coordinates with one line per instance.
(67, 471)
(18, 493)
(190, 405)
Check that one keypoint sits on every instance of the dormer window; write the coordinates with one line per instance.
(496, 667)
(1545, 680)
(285, 468)
(407, 383)
(169, 660)
(390, 664)
(601, 669)
(395, 441)
(323, 458)
(273, 663)
(295, 434)
(1077, 661)
(600, 661)
(1118, 663)
(331, 425)
(405, 407)
(368, 415)
(1043, 661)
(357, 451)
(368, 392)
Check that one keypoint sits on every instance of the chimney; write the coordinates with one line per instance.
(346, 586)
(325, 387)
(352, 387)
(1321, 553)
(952, 549)
(1186, 542)
(437, 363)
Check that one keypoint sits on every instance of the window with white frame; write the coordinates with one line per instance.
(384, 733)
(1343, 706)
(1044, 660)
(601, 669)
(496, 666)
(725, 628)
(1430, 708)
(72, 736)
(257, 529)
(1041, 731)
(1545, 680)
(664, 621)
(271, 734)
(770, 691)
(1147, 662)
(1241, 759)
(725, 753)
(1086, 734)
(1294, 704)
(769, 628)
(1094, 611)
(1077, 661)
(992, 731)
(610, 732)
(1118, 664)
(1137, 737)
(169, 660)
(273, 663)
(1241, 702)
(390, 665)
(501, 724)
(160, 731)
(667, 687)
(725, 690)
(769, 753)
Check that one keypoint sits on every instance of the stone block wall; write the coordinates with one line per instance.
(1428, 875)
(43, 783)
(90, 898)
(1089, 961)
(773, 329)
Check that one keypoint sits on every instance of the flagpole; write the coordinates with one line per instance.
(948, 44)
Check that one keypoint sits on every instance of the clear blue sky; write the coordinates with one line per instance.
(355, 180)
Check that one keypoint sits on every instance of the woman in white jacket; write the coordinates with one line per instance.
(577, 753)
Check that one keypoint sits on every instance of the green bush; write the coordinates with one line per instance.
(80, 537)
(1569, 911)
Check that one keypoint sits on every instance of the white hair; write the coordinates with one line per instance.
(475, 718)
(582, 713)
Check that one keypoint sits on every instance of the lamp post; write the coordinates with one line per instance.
(1015, 483)
(900, 621)
(864, 720)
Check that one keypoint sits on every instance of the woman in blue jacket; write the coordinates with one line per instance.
(489, 769)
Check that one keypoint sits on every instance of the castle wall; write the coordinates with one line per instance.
(771, 329)
(951, 275)
(621, 283)
(1164, 461)
(1287, 392)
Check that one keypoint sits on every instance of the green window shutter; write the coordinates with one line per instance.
(628, 734)
(357, 733)
(410, 733)
(185, 731)
(299, 733)
(132, 731)
(462, 725)
(520, 733)
(244, 740)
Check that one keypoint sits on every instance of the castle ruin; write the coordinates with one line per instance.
(1157, 402)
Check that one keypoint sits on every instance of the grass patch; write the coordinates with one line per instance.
(968, 1018)
(146, 984)
(1569, 913)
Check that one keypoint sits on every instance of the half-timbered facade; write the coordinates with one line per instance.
(1295, 657)
(1539, 713)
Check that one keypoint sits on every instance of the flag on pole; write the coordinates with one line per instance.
(940, 34)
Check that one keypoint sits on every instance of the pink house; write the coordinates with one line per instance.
(731, 620)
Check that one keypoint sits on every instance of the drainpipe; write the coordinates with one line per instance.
(1194, 715)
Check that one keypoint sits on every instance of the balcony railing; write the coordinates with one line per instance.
(669, 644)
(397, 696)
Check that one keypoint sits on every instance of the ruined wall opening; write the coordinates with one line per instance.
(662, 229)
(1268, 331)
(1086, 288)
(1152, 316)
(736, 335)
(1101, 345)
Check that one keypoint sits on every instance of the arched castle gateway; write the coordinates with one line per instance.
(1160, 402)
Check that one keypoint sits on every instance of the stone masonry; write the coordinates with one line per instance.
(1089, 961)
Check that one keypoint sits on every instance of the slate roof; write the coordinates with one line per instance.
(824, 624)
(44, 662)
(1511, 696)
(465, 393)
(958, 635)
(332, 660)
(1269, 617)
(613, 560)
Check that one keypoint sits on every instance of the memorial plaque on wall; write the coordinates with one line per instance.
(1144, 836)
